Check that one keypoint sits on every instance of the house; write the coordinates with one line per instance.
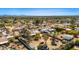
(34, 32)
(59, 25)
(3, 39)
(67, 29)
(67, 37)
(51, 30)
(77, 22)
(44, 30)
(77, 29)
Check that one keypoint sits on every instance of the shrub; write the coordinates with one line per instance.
(37, 36)
(77, 42)
(73, 32)
(59, 29)
(68, 46)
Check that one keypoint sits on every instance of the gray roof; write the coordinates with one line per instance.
(77, 29)
(67, 37)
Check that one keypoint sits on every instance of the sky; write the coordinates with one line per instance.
(40, 11)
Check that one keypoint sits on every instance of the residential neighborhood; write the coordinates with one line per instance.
(39, 33)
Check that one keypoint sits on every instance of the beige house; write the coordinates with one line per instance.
(3, 39)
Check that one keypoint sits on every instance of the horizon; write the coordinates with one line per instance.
(39, 11)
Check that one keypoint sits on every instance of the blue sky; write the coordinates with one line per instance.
(40, 11)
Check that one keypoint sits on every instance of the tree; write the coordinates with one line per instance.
(59, 29)
(73, 32)
(77, 42)
(37, 36)
(68, 46)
